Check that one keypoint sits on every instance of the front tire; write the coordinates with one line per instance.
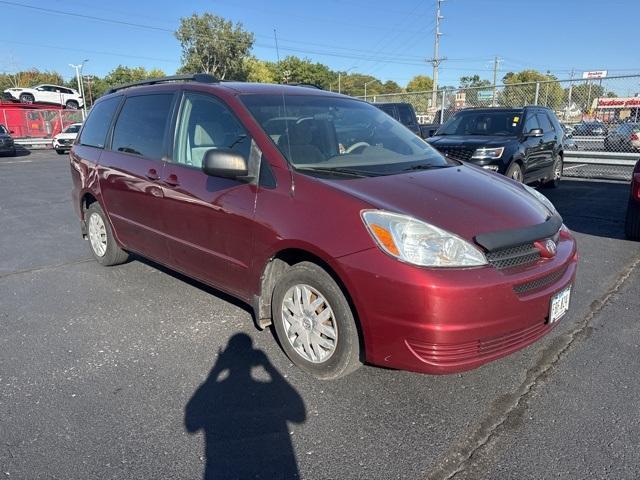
(101, 240)
(60, 152)
(72, 104)
(514, 172)
(632, 222)
(314, 322)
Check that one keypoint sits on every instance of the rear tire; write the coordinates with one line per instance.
(558, 166)
(632, 222)
(305, 333)
(101, 240)
(514, 172)
(27, 98)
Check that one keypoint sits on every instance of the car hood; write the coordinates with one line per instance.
(470, 140)
(464, 200)
(67, 136)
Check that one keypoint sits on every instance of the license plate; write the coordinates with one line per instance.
(559, 304)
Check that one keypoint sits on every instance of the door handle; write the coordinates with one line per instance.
(172, 180)
(152, 174)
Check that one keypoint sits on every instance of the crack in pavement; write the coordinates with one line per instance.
(458, 457)
(45, 267)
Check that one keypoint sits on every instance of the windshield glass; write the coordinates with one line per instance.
(483, 123)
(72, 129)
(2, 129)
(338, 135)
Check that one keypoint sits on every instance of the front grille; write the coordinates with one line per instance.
(539, 283)
(64, 141)
(520, 255)
(478, 350)
(456, 153)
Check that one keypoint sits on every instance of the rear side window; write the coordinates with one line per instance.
(141, 125)
(388, 109)
(531, 123)
(406, 115)
(97, 125)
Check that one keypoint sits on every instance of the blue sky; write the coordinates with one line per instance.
(387, 39)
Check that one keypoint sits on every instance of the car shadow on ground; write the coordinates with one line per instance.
(592, 207)
(21, 151)
(243, 409)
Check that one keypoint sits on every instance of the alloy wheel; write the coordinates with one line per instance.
(97, 235)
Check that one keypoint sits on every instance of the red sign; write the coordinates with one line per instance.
(619, 102)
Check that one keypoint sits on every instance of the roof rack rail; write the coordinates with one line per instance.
(305, 84)
(192, 77)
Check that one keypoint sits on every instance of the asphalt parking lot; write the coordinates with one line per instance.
(110, 373)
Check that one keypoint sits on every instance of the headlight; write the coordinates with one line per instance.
(541, 198)
(419, 243)
(487, 153)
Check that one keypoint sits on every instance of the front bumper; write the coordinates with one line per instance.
(444, 321)
(62, 145)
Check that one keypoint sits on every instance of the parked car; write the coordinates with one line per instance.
(380, 251)
(62, 142)
(7, 147)
(632, 222)
(590, 129)
(54, 94)
(625, 138)
(525, 144)
(405, 114)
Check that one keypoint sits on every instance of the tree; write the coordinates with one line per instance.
(29, 78)
(260, 71)
(302, 70)
(391, 87)
(211, 44)
(471, 85)
(420, 83)
(353, 84)
(520, 89)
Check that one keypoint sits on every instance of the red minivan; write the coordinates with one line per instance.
(349, 234)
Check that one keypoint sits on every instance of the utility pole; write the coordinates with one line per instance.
(436, 60)
(78, 69)
(566, 111)
(496, 63)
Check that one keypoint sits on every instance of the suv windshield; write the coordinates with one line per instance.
(72, 129)
(2, 129)
(469, 122)
(324, 134)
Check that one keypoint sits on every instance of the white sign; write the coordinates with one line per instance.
(595, 74)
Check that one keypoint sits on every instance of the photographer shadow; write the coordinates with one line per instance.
(244, 419)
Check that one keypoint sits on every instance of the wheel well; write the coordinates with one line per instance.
(276, 267)
(87, 200)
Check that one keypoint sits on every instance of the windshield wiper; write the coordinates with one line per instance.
(424, 166)
(343, 171)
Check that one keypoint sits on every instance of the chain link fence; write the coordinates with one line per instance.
(601, 117)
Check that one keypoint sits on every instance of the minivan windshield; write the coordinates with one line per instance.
(474, 122)
(2, 129)
(339, 136)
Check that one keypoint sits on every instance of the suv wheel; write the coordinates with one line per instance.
(72, 104)
(558, 166)
(27, 98)
(514, 172)
(101, 240)
(314, 322)
(632, 222)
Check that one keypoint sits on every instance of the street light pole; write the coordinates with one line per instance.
(365, 88)
(78, 69)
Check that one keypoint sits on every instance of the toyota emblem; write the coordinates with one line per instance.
(551, 247)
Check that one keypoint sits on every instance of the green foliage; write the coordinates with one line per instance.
(302, 70)
(29, 78)
(420, 83)
(471, 85)
(211, 44)
(259, 71)
(550, 93)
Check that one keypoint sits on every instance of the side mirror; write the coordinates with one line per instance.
(534, 132)
(224, 163)
(11, 131)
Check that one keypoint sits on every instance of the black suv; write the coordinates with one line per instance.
(525, 144)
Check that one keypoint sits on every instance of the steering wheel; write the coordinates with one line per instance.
(356, 146)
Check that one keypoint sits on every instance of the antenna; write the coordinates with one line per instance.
(275, 36)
